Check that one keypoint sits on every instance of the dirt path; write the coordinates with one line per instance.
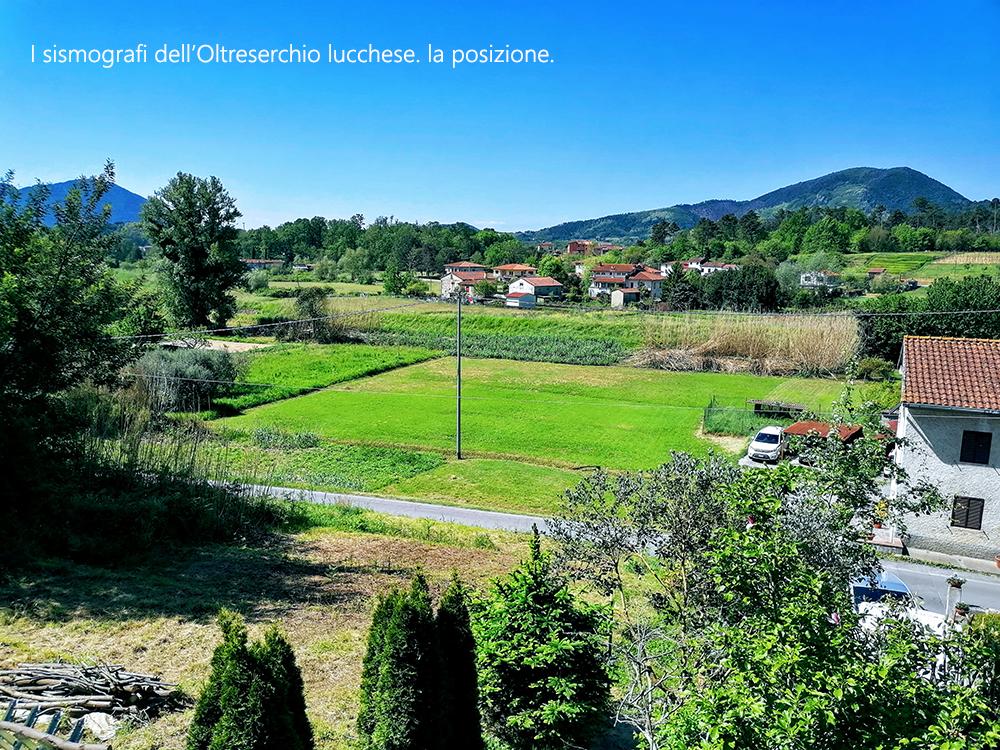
(233, 346)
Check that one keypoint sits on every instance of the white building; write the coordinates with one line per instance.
(651, 281)
(819, 280)
(508, 272)
(523, 300)
(950, 419)
(452, 282)
(539, 286)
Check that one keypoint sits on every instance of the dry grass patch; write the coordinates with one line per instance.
(319, 586)
(770, 343)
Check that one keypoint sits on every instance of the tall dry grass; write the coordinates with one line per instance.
(807, 344)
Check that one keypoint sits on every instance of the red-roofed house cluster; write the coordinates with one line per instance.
(524, 286)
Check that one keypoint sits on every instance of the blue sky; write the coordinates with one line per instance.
(647, 103)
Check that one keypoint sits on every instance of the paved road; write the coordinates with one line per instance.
(926, 582)
(483, 519)
(930, 584)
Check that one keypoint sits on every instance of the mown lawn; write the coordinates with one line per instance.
(512, 486)
(561, 415)
(289, 369)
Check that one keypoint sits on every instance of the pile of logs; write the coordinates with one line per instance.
(77, 690)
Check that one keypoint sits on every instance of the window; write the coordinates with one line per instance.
(976, 447)
(967, 513)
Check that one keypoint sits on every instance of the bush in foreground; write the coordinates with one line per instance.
(542, 678)
(254, 696)
(418, 679)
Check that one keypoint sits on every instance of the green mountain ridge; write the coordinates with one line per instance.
(858, 187)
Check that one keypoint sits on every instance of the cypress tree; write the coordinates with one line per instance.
(462, 727)
(406, 710)
(254, 696)
(229, 659)
(371, 667)
(401, 702)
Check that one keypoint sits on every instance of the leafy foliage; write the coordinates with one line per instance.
(542, 678)
(408, 685)
(193, 223)
(734, 628)
(253, 699)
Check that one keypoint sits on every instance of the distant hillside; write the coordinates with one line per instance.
(124, 203)
(860, 187)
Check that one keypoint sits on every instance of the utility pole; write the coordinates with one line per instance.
(458, 391)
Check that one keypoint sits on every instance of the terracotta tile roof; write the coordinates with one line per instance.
(647, 276)
(464, 264)
(469, 275)
(518, 295)
(609, 279)
(941, 371)
(806, 427)
(876, 270)
(541, 281)
(514, 267)
(614, 268)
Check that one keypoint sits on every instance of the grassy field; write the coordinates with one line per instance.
(286, 370)
(960, 266)
(318, 585)
(543, 413)
(903, 264)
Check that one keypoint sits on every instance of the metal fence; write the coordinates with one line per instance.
(37, 732)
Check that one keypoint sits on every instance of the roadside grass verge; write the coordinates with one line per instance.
(287, 370)
(511, 486)
(543, 413)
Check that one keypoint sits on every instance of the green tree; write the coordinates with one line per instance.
(401, 675)
(392, 281)
(826, 236)
(61, 313)
(253, 699)
(193, 223)
(459, 694)
(542, 679)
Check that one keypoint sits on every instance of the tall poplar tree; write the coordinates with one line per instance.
(193, 223)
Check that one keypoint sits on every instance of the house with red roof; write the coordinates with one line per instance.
(542, 287)
(455, 281)
(949, 425)
(508, 272)
(609, 277)
(465, 265)
(523, 300)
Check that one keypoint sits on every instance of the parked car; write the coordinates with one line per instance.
(767, 445)
(876, 598)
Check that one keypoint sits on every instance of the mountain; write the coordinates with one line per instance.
(860, 187)
(124, 203)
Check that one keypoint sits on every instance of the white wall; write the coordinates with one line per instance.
(935, 444)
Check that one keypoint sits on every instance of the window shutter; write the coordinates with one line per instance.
(976, 447)
(967, 512)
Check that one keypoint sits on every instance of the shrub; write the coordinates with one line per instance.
(542, 680)
(254, 696)
(257, 280)
(875, 368)
(184, 379)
